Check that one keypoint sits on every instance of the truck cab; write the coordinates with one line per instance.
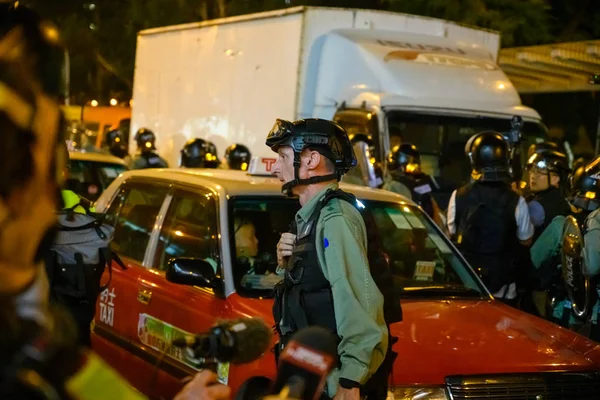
(439, 136)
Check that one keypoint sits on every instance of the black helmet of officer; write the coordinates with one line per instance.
(585, 186)
(199, 153)
(145, 140)
(115, 141)
(114, 137)
(404, 159)
(489, 156)
(361, 137)
(324, 136)
(549, 161)
(541, 147)
(238, 157)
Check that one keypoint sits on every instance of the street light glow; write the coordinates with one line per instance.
(94, 103)
(113, 102)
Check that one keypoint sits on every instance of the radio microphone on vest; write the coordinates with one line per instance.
(305, 364)
(237, 341)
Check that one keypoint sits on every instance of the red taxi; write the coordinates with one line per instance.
(455, 341)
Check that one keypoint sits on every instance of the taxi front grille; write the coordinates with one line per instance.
(538, 386)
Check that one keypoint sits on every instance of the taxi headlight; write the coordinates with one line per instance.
(417, 393)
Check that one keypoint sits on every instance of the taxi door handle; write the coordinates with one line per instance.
(144, 296)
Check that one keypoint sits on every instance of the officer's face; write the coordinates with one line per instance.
(283, 168)
(539, 181)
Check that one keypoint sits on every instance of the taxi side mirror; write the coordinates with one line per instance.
(191, 272)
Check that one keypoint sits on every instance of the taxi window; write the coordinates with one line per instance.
(421, 259)
(190, 230)
(133, 214)
(256, 225)
(89, 178)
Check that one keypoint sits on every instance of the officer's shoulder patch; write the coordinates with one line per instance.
(325, 243)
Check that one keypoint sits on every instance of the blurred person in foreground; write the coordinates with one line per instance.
(38, 355)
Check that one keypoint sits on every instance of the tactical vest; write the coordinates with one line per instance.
(420, 187)
(486, 230)
(554, 204)
(304, 296)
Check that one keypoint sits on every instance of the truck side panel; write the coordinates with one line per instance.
(320, 23)
(224, 83)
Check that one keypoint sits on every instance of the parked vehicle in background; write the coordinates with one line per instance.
(455, 342)
(394, 77)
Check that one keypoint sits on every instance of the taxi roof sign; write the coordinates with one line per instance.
(261, 166)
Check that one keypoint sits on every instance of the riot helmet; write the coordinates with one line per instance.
(115, 142)
(211, 160)
(542, 147)
(199, 153)
(323, 136)
(585, 186)
(238, 157)
(145, 140)
(489, 156)
(404, 159)
(548, 162)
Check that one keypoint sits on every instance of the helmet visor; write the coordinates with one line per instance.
(280, 132)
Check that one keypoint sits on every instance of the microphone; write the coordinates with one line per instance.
(305, 364)
(237, 341)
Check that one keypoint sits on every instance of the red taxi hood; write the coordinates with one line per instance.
(442, 338)
(466, 337)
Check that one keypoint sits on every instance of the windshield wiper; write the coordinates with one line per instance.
(442, 291)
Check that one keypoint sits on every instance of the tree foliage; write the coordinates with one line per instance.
(101, 34)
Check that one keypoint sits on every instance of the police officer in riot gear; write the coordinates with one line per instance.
(548, 252)
(117, 146)
(484, 215)
(548, 171)
(238, 156)
(199, 153)
(147, 157)
(328, 231)
(404, 165)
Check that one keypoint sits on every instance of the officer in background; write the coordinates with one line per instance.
(237, 156)
(199, 153)
(117, 146)
(546, 251)
(321, 287)
(548, 170)
(404, 166)
(487, 219)
(365, 173)
(147, 157)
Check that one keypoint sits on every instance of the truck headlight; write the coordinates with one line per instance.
(417, 393)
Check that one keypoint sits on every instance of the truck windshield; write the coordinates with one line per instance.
(422, 261)
(441, 140)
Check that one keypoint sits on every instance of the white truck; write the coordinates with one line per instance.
(393, 77)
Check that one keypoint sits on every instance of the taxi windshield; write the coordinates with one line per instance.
(422, 261)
